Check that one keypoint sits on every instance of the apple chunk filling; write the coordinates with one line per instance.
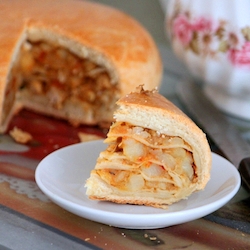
(54, 75)
(142, 159)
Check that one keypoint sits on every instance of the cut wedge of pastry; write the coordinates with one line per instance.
(155, 154)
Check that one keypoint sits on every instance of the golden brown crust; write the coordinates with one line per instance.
(131, 201)
(147, 99)
(114, 36)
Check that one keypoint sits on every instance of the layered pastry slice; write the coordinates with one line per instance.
(155, 154)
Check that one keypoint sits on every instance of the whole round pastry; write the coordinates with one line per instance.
(71, 59)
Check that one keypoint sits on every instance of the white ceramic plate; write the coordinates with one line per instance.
(62, 175)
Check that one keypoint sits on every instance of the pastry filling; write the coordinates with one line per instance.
(55, 76)
(140, 159)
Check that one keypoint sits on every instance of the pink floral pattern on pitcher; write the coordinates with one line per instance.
(183, 29)
(240, 57)
(204, 37)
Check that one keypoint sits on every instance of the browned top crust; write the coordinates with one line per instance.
(151, 99)
(115, 35)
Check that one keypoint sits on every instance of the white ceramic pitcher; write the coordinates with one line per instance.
(212, 37)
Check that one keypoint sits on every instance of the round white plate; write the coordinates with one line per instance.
(62, 175)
